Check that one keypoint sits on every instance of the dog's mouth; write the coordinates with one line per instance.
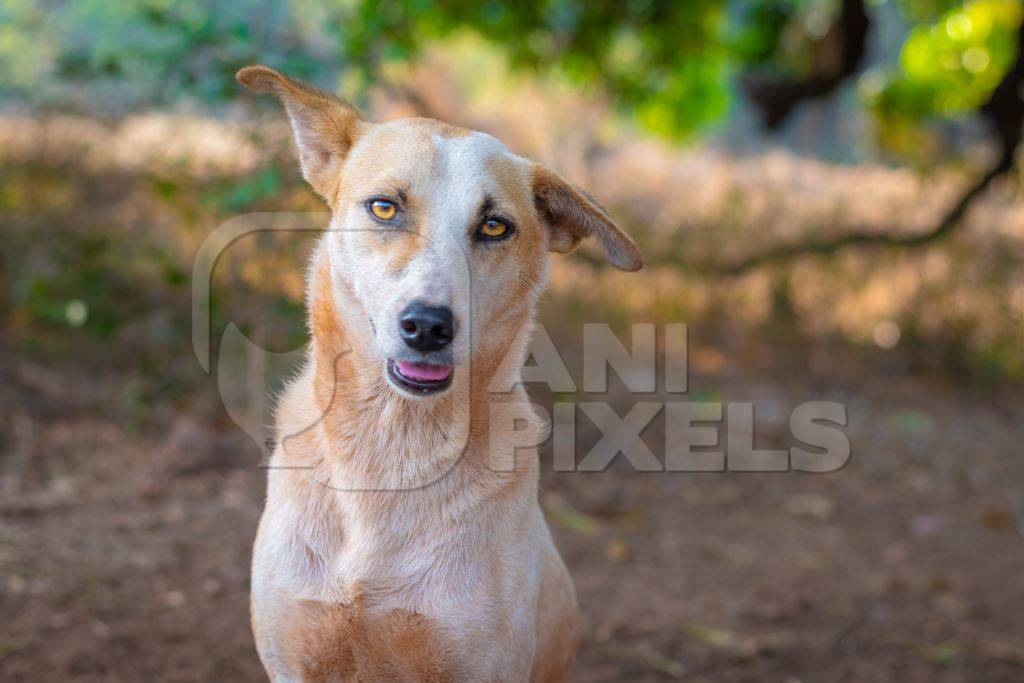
(420, 379)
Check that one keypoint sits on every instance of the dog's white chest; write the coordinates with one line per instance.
(419, 603)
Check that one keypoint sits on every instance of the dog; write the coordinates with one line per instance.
(391, 546)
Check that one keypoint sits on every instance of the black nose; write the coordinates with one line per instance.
(426, 328)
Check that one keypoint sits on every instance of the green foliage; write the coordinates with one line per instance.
(240, 195)
(665, 62)
(947, 69)
(670, 65)
(109, 56)
(759, 29)
(81, 288)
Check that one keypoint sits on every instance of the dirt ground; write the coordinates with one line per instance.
(124, 554)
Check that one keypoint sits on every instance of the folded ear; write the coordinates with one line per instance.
(325, 127)
(571, 215)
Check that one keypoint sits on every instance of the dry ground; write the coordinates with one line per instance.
(125, 556)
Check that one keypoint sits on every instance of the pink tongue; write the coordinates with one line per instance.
(423, 372)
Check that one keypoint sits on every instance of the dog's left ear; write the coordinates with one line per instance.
(571, 215)
(325, 127)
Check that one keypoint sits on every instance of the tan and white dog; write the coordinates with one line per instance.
(391, 548)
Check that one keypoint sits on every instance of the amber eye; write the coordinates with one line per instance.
(493, 229)
(383, 209)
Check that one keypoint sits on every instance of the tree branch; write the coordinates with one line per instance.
(1004, 111)
(863, 237)
(776, 98)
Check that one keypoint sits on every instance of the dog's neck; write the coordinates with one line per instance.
(376, 439)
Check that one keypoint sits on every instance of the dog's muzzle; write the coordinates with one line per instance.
(426, 330)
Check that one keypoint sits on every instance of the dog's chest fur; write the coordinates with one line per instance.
(393, 585)
(376, 611)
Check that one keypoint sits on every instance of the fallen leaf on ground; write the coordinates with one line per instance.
(646, 656)
(558, 510)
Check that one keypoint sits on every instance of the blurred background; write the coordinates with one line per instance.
(828, 192)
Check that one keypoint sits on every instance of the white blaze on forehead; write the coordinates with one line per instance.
(452, 202)
(462, 178)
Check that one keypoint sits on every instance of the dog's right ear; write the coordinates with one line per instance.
(325, 127)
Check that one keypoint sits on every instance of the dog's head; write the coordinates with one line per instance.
(439, 233)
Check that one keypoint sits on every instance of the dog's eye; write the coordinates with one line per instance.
(383, 209)
(493, 229)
